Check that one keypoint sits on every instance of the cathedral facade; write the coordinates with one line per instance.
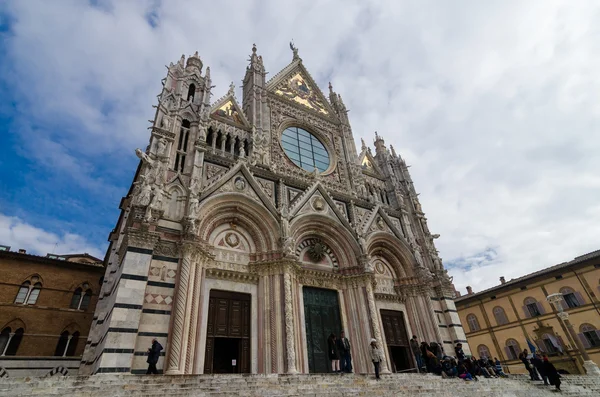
(254, 229)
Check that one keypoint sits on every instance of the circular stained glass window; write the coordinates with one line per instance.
(304, 149)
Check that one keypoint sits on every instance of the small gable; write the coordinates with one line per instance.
(228, 111)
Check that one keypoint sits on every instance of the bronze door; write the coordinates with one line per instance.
(228, 333)
(322, 317)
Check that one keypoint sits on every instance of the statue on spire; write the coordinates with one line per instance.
(231, 89)
(364, 146)
(294, 50)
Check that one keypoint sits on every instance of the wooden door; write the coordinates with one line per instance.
(228, 318)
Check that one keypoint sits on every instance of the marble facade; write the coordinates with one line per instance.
(218, 204)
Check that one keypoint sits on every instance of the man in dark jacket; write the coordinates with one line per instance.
(153, 354)
(416, 351)
(344, 349)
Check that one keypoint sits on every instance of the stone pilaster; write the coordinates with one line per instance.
(375, 324)
(289, 324)
(181, 331)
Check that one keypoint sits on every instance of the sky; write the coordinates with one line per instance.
(493, 104)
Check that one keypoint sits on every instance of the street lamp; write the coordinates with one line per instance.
(590, 367)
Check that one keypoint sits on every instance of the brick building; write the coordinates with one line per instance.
(499, 320)
(46, 308)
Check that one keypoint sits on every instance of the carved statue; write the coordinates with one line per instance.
(144, 191)
(157, 200)
(165, 123)
(144, 157)
(194, 208)
(242, 151)
(294, 50)
(289, 246)
(161, 147)
(195, 186)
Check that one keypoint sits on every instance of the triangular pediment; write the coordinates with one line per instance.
(379, 221)
(295, 84)
(227, 109)
(239, 180)
(316, 200)
(369, 165)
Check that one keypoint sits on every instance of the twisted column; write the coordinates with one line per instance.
(194, 313)
(289, 324)
(177, 333)
(375, 324)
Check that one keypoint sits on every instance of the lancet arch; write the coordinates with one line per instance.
(394, 251)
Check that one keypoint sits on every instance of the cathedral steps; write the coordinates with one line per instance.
(288, 385)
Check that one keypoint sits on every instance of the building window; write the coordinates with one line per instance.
(304, 149)
(589, 335)
(549, 344)
(9, 341)
(191, 93)
(500, 315)
(572, 298)
(512, 349)
(67, 344)
(473, 323)
(29, 291)
(532, 308)
(80, 300)
(483, 351)
(184, 134)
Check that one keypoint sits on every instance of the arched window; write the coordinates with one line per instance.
(550, 344)
(589, 335)
(532, 308)
(512, 349)
(572, 298)
(191, 92)
(73, 344)
(182, 145)
(484, 352)
(80, 300)
(500, 315)
(473, 323)
(9, 342)
(61, 346)
(29, 291)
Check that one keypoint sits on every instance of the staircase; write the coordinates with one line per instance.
(289, 385)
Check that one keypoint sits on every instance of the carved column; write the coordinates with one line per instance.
(198, 265)
(375, 324)
(177, 353)
(289, 324)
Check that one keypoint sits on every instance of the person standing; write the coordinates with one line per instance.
(334, 353)
(524, 357)
(414, 346)
(344, 349)
(460, 354)
(538, 365)
(153, 355)
(376, 356)
(551, 373)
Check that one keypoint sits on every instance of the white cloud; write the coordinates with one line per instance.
(20, 235)
(494, 104)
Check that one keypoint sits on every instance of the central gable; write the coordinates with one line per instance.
(295, 84)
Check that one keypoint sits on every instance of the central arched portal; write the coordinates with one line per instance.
(322, 318)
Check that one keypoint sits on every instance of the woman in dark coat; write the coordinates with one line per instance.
(551, 373)
(334, 353)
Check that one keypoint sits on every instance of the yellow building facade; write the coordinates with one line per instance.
(499, 321)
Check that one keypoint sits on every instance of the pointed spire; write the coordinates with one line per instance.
(330, 88)
(207, 76)
(182, 60)
(364, 146)
(393, 151)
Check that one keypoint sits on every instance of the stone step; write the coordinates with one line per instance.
(287, 385)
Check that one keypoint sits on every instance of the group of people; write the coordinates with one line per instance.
(338, 350)
(431, 358)
(540, 368)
